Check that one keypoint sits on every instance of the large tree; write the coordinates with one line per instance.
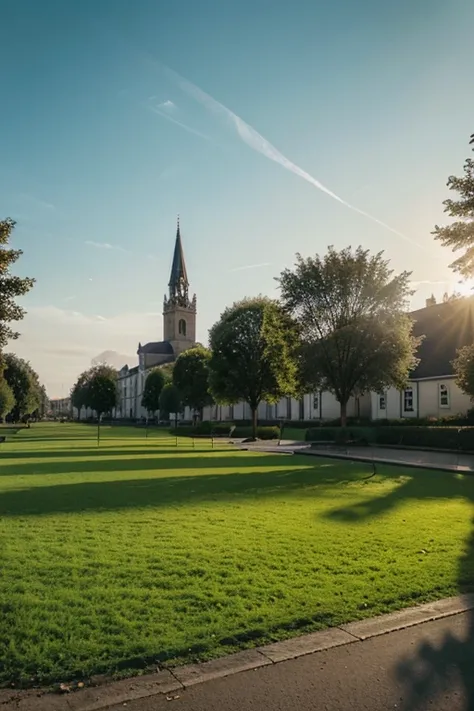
(459, 235)
(253, 347)
(463, 366)
(191, 376)
(25, 385)
(10, 286)
(154, 384)
(79, 395)
(354, 330)
(170, 401)
(7, 399)
(101, 390)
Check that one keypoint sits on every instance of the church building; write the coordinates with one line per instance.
(179, 333)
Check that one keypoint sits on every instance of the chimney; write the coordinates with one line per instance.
(431, 301)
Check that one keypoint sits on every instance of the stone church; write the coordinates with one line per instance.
(179, 333)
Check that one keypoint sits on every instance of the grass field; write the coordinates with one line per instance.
(140, 552)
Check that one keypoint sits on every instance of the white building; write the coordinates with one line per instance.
(431, 391)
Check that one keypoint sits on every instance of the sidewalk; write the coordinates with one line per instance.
(417, 659)
(421, 459)
(363, 676)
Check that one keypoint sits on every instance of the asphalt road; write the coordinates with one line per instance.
(429, 667)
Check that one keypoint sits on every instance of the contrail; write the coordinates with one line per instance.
(179, 123)
(257, 142)
(251, 266)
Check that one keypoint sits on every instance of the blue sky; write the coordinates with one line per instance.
(105, 138)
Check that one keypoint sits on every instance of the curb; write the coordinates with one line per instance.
(174, 680)
(452, 469)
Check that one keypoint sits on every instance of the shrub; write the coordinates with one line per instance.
(222, 429)
(341, 435)
(457, 438)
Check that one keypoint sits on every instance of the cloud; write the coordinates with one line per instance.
(259, 143)
(37, 202)
(427, 281)
(251, 266)
(168, 105)
(105, 245)
(60, 343)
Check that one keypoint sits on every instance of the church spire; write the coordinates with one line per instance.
(178, 283)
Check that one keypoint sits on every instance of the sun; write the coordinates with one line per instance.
(466, 288)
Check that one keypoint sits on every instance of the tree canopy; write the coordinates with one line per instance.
(96, 388)
(253, 354)
(154, 384)
(351, 312)
(24, 382)
(463, 366)
(170, 400)
(10, 286)
(191, 376)
(459, 235)
(7, 399)
(79, 392)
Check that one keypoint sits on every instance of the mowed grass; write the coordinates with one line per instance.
(141, 553)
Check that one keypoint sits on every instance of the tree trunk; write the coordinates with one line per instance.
(254, 423)
(343, 414)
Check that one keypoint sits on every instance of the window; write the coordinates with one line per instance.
(408, 400)
(316, 402)
(443, 395)
(382, 402)
(182, 327)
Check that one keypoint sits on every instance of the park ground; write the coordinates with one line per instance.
(149, 551)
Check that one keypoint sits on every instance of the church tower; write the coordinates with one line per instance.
(179, 311)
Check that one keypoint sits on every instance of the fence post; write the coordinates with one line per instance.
(176, 440)
(194, 443)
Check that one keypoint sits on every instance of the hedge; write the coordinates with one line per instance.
(456, 438)
(223, 430)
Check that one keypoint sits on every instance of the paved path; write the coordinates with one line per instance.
(429, 667)
(445, 461)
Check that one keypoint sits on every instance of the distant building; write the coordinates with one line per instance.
(61, 407)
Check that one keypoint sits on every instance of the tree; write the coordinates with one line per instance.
(463, 366)
(460, 234)
(7, 399)
(25, 385)
(170, 401)
(10, 286)
(101, 389)
(154, 384)
(191, 377)
(79, 393)
(253, 355)
(354, 330)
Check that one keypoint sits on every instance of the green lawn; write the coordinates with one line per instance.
(141, 552)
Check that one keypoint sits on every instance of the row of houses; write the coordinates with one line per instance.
(430, 392)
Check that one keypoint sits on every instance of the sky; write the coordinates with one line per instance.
(271, 127)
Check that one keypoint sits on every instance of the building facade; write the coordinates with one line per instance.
(430, 392)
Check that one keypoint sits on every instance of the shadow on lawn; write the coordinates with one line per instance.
(432, 671)
(155, 461)
(162, 491)
(132, 450)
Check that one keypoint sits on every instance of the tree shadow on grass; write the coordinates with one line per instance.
(164, 491)
(133, 450)
(432, 671)
(154, 461)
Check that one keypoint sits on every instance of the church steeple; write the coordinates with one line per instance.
(179, 311)
(178, 283)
